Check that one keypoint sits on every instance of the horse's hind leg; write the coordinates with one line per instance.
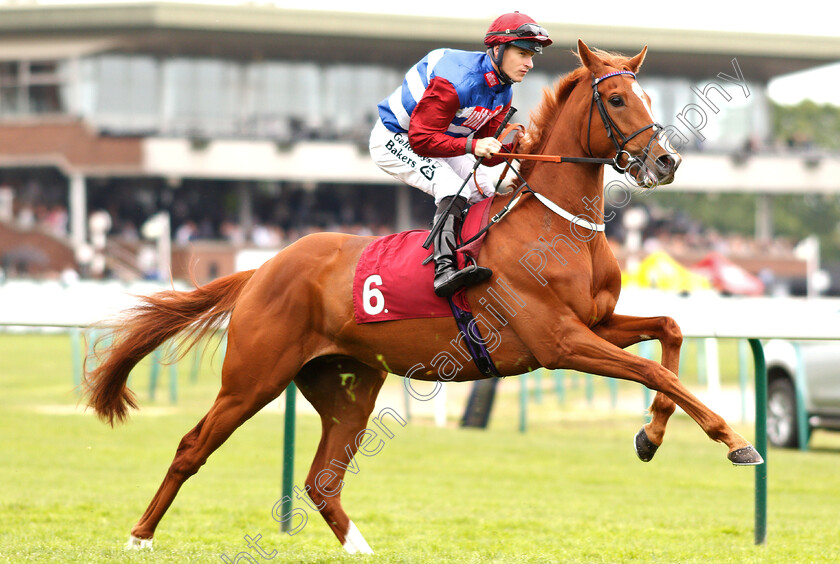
(343, 391)
(239, 398)
(623, 331)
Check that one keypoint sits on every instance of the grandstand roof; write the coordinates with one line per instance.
(248, 32)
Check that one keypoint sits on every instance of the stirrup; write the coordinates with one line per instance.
(450, 281)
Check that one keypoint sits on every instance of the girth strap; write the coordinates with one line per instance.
(474, 341)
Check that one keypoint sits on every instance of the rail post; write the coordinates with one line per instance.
(523, 403)
(801, 391)
(760, 441)
(288, 455)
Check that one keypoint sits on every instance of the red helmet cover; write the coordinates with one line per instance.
(506, 29)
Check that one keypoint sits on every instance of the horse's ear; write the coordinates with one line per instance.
(636, 62)
(589, 59)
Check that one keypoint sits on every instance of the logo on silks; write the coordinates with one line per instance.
(428, 170)
(477, 116)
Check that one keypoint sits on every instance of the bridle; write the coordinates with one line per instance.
(613, 131)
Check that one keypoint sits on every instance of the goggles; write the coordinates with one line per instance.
(527, 30)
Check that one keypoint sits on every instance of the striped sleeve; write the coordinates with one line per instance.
(431, 119)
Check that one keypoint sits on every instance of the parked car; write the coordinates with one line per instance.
(809, 370)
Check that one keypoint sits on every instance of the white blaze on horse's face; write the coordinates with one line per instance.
(637, 90)
(662, 140)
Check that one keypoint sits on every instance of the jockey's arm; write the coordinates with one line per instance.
(485, 144)
(430, 121)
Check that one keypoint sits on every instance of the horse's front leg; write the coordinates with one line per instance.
(624, 331)
(573, 345)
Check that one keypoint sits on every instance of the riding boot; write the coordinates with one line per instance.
(448, 279)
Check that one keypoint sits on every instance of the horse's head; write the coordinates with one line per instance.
(619, 123)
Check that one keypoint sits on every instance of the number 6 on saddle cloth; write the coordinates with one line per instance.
(393, 280)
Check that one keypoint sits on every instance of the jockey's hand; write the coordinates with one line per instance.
(486, 146)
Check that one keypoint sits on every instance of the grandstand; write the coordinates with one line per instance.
(249, 125)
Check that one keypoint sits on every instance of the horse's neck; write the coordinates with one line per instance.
(576, 187)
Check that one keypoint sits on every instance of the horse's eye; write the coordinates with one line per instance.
(616, 101)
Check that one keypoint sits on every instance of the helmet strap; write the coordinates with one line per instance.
(497, 59)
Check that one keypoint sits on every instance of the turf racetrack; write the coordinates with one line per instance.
(570, 490)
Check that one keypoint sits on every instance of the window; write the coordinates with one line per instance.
(32, 87)
(351, 93)
(202, 96)
(9, 92)
(286, 100)
(121, 92)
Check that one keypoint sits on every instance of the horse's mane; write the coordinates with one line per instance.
(545, 114)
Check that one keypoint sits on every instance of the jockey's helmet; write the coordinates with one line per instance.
(516, 29)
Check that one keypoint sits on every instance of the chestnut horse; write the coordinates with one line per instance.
(293, 320)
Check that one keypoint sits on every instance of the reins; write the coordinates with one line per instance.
(553, 158)
(610, 126)
(613, 131)
(544, 158)
(525, 188)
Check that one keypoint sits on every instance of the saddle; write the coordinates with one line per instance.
(393, 280)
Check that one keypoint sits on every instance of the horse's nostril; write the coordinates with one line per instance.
(665, 163)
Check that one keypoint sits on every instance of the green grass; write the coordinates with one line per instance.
(569, 490)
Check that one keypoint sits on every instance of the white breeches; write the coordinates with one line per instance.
(439, 177)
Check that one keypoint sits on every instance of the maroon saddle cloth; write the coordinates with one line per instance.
(391, 282)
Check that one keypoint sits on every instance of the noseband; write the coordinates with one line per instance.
(613, 130)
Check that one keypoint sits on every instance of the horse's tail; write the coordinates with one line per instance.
(145, 327)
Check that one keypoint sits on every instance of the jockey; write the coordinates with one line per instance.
(443, 116)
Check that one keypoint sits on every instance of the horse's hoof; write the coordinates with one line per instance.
(354, 542)
(746, 456)
(136, 543)
(644, 448)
